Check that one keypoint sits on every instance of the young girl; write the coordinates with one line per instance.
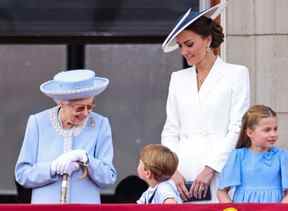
(156, 166)
(256, 169)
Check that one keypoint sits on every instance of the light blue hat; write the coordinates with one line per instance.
(74, 84)
(188, 18)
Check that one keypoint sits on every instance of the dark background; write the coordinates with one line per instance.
(117, 39)
(91, 17)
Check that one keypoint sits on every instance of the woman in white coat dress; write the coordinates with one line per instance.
(205, 104)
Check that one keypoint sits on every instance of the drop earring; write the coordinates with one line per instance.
(208, 47)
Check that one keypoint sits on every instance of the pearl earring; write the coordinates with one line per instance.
(208, 49)
(208, 46)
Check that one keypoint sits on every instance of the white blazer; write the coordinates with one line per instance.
(202, 127)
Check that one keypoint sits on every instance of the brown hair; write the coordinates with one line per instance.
(205, 27)
(160, 160)
(250, 119)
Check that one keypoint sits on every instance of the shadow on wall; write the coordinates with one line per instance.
(23, 194)
(129, 189)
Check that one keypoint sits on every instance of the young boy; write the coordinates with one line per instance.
(156, 166)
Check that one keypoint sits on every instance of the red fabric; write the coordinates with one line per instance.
(132, 207)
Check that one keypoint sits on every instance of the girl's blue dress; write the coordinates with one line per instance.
(256, 176)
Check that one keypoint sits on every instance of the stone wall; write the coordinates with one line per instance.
(257, 36)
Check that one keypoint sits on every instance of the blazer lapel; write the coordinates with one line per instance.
(193, 85)
(193, 90)
(212, 79)
(189, 90)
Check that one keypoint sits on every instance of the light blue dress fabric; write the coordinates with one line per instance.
(160, 193)
(256, 176)
(42, 144)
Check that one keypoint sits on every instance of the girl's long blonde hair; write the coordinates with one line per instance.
(250, 119)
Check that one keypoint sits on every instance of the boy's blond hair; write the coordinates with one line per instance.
(160, 160)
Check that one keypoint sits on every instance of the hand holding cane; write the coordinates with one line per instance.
(65, 165)
(65, 182)
(66, 172)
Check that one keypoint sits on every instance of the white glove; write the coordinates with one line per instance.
(75, 155)
(63, 167)
(66, 163)
(71, 167)
(53, 170)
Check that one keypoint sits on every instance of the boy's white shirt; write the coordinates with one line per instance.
(161, 191)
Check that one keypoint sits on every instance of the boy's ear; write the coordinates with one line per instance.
(148, 174)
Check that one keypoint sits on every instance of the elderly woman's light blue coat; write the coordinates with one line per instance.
(43, 142)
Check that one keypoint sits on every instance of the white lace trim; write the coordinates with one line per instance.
(68, 134)
(74, 131)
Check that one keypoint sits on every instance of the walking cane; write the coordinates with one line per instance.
(64, 189)
(64, 184)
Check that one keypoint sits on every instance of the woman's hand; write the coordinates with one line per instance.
(61, 167)
(180, 183)
(67, 163)
(202, 182)
(223, 196)
(285, 198)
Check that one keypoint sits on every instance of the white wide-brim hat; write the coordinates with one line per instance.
(74, 84)
(188, 18)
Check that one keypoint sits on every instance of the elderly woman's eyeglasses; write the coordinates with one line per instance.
(78, 108)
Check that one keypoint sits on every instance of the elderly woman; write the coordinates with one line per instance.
(64, 142)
